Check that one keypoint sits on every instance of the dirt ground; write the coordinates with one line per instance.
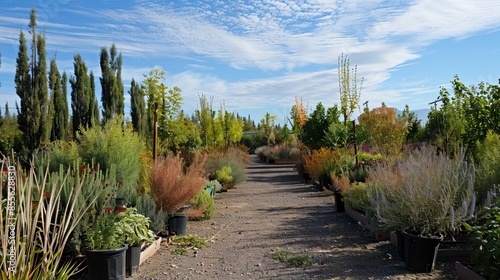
(275, 209)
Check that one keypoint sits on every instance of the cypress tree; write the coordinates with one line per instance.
(22, 80)
(42, 91)
(111, 84)
(93, 106)
(137, 108)
(82, 103)
(59, 103)
(119, 93)
(32, 89)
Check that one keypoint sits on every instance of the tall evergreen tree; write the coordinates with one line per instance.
(138, 108)
(83, 103)
(42, 91)
(111, 83)
(32, 89)
(59, 104)
(94, 106)
(26, 116)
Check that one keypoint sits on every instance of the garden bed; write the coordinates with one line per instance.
(150, 250)
(465, 273)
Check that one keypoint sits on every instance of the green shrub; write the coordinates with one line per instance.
(488, 170)
(114, 145)
(280, 255)
(189, 241)
(215, 184)
(57, 154)
(224, 174)
(146, 206)
(299, 261)
(485, 255)
(234, 158)
(203, 200)
(357, 197)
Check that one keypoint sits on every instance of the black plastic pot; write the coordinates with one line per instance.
(401, 244)
(106, 264)
(339, 202)
(421, 252)
(133, 259)
(177, 224)
(325, 181)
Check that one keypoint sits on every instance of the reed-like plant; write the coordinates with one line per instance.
(37, 224)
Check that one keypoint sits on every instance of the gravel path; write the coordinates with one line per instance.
(275, 209)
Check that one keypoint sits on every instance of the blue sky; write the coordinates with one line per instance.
(256, 56)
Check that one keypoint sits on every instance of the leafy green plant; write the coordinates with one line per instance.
(488, 170)
(179, 251)
(280, 254)
(283, 255)
(104, 232)
(189, 241)
(357, 197)
(59, 153)
(135, 227)
(299, 261)
(224, 175)
(203, 201)
(485, 255)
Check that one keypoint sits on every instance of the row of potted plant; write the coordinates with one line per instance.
(423, 195)
(426, 197)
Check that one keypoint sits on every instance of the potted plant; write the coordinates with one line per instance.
(105, 245)
(135, 228)
(320, 164)
(173, 187)
(485, 256)
(426, 195)
(340, 186)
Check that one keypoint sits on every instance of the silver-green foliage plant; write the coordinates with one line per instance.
(146, 205)
(135, 227)
(37, 224)
(425, 192)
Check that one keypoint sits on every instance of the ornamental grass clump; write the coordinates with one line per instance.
(172, 187)
(234, 158)
(426, 192)
(280, 151)
(36, 223)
